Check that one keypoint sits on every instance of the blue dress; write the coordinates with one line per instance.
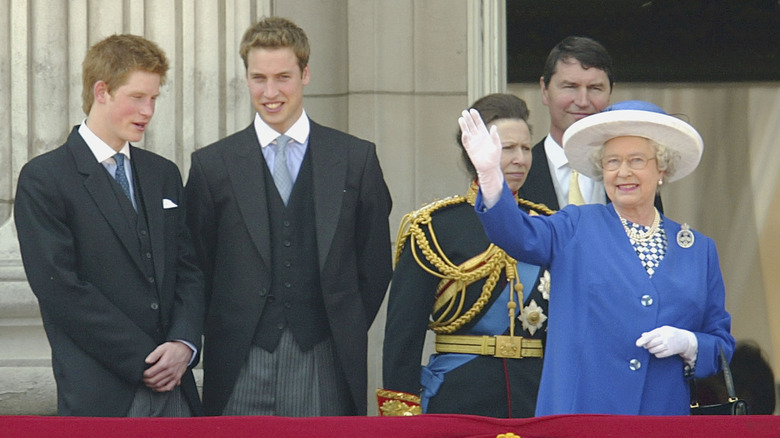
(602, 300)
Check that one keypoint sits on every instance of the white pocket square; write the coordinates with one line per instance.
(167, 203)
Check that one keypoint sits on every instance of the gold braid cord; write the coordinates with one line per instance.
(451, 291)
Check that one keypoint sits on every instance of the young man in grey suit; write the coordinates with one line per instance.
(107, 251)
(290, 221)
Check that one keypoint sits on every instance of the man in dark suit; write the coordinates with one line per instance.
(107, 251)
(576, 82)
(290, 221)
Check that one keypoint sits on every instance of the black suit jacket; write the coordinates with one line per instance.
(100, 315)
(538, 186)
(228, 216)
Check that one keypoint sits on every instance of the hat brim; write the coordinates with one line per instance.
(593, 131)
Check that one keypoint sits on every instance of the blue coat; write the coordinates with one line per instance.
(602, 300)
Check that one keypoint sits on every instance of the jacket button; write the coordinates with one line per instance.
(634, 364)
(647, 300)
(154, 306)
(263, 292)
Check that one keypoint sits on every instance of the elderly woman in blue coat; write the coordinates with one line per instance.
(638, 303)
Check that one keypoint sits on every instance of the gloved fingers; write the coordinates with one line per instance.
(475, 121)
(665, 353)
(663, 332)
(645, 338)
(666, 341)
(472, 126)
(483, 148)
(655, 343)
(494, 136)
(660, 351)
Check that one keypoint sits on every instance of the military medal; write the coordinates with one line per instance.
(685, 236)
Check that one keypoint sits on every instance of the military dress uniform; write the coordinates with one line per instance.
(488, 313)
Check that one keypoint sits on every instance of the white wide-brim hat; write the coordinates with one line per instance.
(633, 118)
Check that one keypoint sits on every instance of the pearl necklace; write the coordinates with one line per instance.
(641, 236)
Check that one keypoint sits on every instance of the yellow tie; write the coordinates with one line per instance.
(575, 195)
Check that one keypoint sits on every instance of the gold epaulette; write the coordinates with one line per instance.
(419, 217)
(396, 403)
(454, 279)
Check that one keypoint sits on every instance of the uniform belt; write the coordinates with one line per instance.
(515, 347)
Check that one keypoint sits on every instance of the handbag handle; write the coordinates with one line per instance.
(727, 376)
(724, 363)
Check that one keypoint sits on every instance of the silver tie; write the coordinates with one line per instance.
(281, 173)
(120, 176)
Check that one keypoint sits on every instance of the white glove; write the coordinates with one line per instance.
(484, 150)
(667, 341)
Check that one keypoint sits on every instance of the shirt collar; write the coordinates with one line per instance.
(100, 149)
(555, 153)
(299, 131)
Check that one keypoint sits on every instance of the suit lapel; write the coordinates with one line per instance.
(149, 184)
(98, 183)
(329, 173)
(245, 167)
(539, 185)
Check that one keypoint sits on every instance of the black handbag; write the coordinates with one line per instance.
(734, 406)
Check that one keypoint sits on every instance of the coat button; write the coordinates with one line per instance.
(634, 364)
(263, 292)
(647, 300)
(154, 306)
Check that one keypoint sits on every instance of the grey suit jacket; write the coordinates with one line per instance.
(81, 257)
(228, 217)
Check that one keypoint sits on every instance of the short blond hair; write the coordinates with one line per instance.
(276, 33)
(112, 59)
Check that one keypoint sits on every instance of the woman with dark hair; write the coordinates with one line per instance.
(487, 311)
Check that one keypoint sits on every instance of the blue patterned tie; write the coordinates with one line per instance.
(120, 175)
(281, 173)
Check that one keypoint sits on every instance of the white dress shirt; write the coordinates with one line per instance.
(296, 148)
(592, 191)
